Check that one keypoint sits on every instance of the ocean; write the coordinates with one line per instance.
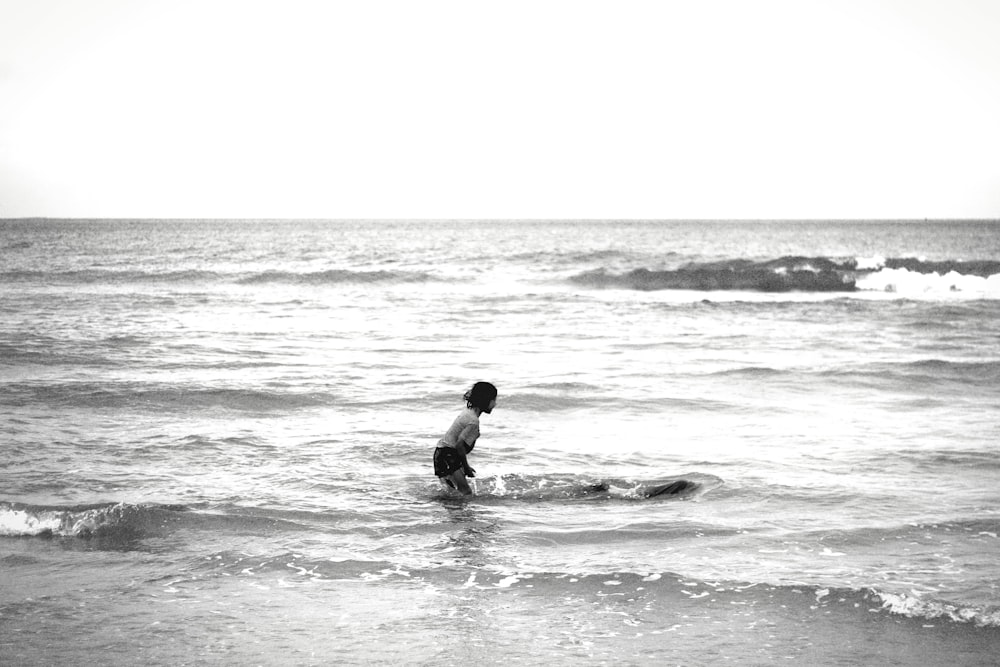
(217, 440)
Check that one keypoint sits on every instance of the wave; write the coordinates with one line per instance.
(559, 257)
(120, 522)
(866, 600)
(980, 268)
(117, 521)
(808, 597)
(43, 353)
(923, 373)
(785, 274)
(809, 274)
(674, 591)
(121, 277)
(123, 526)
(335, 277)
(108, 276)
(152, 396)
(914, 605)
(684, 594)
(751, 372)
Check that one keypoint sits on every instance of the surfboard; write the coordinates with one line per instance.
(673, 488)
(670, 489)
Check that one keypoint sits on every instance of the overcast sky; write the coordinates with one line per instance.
(506, 109)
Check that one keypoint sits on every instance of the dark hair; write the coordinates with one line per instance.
(480, 395)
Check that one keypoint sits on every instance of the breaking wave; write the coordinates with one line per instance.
(114, 520)
(915, 605)
(126, 522)
(810, 274)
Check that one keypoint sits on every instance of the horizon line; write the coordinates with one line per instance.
(485, 219)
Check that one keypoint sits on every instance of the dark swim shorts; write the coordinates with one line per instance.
(446, 461)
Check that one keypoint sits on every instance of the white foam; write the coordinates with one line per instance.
(15, 522)
(914, 607)
(870, 263)
(19, 522)
(499, 486)
(909, 283)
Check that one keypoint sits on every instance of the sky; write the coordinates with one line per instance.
(623, 109)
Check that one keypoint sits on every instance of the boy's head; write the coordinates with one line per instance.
(481, 396)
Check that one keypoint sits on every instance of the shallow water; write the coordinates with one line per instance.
(217, 442)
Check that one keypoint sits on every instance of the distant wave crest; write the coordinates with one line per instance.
(808, 274)
(334, 277)
(120, 277)
(782, 275)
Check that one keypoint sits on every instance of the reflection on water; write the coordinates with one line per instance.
(477, 532)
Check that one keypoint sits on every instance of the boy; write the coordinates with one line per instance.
(451, 464)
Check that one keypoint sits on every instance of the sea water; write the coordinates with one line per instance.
(217, 439)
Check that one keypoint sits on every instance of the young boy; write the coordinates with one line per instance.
(451, 464)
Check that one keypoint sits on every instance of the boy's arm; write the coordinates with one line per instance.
(466, 441)
(463, 449)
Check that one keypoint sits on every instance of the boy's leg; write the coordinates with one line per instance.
(461, 483)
